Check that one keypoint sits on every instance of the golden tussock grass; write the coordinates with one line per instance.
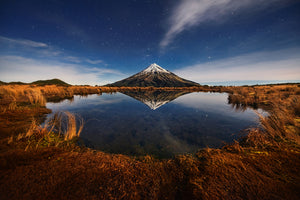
(264, 164)
(21, 93)
(282, 104)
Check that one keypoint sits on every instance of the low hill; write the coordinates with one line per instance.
(50, 82)
(13, 83)
(17, 83)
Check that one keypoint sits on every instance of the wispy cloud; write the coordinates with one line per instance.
(276, 65)
(102, 71)
(22, 42)
(73, 59)
(190, 13)
(94, 62)
(27, 60)
(18, 68)
(21, 46)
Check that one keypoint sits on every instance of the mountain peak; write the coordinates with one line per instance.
(154, 76)
(155, 68)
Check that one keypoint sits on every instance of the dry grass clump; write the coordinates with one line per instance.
(262, 96)
(11, 94)
(282, 104)
(12, 106)
(282, 122)
(53, 92)
(58, 131)
(35, 96)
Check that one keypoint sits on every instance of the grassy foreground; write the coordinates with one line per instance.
(46, 163)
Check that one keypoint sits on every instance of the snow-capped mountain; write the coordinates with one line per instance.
(156, 76)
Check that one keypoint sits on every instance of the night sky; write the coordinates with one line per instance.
(98, 42)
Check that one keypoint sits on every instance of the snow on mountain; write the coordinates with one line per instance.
(154, 104)
(154, 68)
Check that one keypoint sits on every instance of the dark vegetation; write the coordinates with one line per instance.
(50, 82)
(43, 163)
(54, 81)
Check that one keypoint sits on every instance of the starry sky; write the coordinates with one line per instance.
(215, 42)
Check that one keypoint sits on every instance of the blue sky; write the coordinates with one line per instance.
(99, 42)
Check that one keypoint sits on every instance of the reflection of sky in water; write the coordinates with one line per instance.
(214, 103)
(117, 123)
(87, 101)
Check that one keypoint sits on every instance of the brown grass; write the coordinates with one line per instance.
(21, 93)
(265, 164)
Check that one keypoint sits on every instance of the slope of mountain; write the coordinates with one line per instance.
(156, 98)
(156, 76)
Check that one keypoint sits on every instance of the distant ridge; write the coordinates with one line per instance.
(13, 83)
(156, 76)
(50, 82)
(39, 82)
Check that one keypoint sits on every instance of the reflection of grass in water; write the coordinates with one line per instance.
(60, 130)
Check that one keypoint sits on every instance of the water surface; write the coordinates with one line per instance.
(161, 124)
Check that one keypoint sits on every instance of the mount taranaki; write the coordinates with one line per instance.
(155, 76)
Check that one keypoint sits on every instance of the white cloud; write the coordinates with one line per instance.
(73, 59)
(22, 42)
(81, 60)
(94, 62)
(14, 67)
(276, 65)
(190, 13)
(29, 47)
(17, 68)
(103, 71)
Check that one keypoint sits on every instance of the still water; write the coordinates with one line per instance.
(161, 124)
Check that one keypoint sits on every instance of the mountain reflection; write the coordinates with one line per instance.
(156, 98)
